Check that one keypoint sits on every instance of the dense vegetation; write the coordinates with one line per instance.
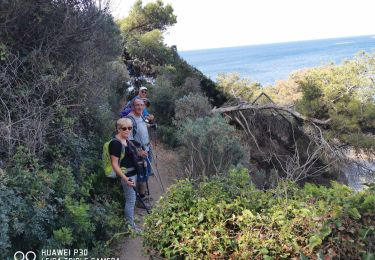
(228, 218)
(59, 67)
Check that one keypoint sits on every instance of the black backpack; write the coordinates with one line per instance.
(139, 162)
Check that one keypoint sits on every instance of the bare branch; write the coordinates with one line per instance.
(267, 107)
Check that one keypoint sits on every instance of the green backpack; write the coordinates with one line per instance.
(106, 159)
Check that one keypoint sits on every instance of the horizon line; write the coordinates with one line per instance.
(269, 43)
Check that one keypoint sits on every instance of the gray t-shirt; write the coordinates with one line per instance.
(142, 132)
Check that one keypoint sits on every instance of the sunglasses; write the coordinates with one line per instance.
(144, 91)
(126, 128)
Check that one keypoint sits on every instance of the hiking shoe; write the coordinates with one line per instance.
(135, 229)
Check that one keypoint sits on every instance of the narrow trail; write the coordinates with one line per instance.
(168, 166)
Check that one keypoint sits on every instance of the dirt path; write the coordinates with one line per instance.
(167, 164)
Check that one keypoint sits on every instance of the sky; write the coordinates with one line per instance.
(205, 24)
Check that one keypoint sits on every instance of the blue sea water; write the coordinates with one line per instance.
(267, 63)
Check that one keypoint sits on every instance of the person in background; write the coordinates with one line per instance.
(142, 94)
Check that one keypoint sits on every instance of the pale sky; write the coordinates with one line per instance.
(204, 24)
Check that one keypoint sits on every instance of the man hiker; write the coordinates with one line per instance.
(142, 94)
(141, 135)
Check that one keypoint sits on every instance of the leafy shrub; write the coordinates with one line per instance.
(47, 208)
(226, 217)
(210, 146)
(167, 134)
(5, 210)
(191, 106)
(163, 98)
(55, 92)
(63, 236)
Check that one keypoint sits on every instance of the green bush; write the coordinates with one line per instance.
(163, 98)
(226, 217)
(191, 106)
(167, 134)
(55, 92)
(210, 146)
(5, 210)
(191, 85)
(53, 208)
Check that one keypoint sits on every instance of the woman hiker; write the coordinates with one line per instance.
(129, 177)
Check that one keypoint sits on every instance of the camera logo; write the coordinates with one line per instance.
(19, 255)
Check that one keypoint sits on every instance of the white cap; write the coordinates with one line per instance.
(142, 88)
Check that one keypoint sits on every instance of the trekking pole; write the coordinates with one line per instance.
(156, 159)
(141, 200)
(148, 189)
(157, 175)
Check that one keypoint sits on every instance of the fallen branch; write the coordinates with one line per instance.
(297, 115)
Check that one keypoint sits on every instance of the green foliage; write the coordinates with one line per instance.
(345, 94)
(163, 98)
(286, 92)
(311, 94)
(234, 86)
(142, 19)
(210, 144)
(191, 85)
(56, 83)
(167, 135)
(5, 210)
(191, 106)
(42, 208)
(169, 99)
(78, 214)
(33, 204)
(142, 30)
(63, 236)
(226, 217)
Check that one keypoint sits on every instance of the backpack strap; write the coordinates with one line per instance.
(134, 123)
(122, 149)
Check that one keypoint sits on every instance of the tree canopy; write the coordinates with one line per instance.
(143, 19)
(346, 95)
(142, 32)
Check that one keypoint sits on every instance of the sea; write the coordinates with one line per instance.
(267, 63)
